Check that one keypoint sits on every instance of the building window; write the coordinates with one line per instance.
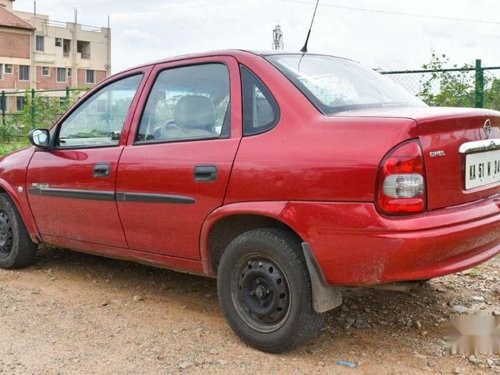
(61, 75)
(40, 43)
(24, 72)
(8, 69)
(1, 71)
(83, 48)
(58, 42)
(66, 47)
(69, 72)
(19, 103)
(90, 76)
(45, 71)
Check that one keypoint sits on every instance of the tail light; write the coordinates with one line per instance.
(401, 180)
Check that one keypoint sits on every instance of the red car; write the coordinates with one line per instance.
(286, 176)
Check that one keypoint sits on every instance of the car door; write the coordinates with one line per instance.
(71, 188)
(177, 166)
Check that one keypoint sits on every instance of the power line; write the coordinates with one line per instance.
(370, 10)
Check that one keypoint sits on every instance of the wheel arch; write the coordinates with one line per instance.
(229, 221)
(22, 208)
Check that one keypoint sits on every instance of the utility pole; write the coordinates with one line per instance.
(33, 50)
(108, 48)
(278, 38)
(73, 53)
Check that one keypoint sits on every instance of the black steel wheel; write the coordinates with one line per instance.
(265, 290)
(6, 235)
(260, 292)
(16, 248)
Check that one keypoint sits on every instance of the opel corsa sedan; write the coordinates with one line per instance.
(286, 176)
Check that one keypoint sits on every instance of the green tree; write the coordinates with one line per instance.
(447, 89)
(492, 94)
(456, 89)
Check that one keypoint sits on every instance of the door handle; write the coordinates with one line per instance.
(102, 170)
(205, 173)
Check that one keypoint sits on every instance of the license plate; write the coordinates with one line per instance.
(482, 169)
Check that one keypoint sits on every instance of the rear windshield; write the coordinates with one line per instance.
(336, 85)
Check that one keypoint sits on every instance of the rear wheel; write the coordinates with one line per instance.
(16, 248)
(265, 292)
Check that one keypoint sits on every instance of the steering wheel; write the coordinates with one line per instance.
(170, 124)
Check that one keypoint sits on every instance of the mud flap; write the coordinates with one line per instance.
(325, 297)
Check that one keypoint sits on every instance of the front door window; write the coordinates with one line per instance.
(99, 120)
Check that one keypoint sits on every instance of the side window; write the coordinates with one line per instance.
(187, 103)
(99, 120)
(260, 110)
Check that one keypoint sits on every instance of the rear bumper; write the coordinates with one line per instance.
(355, 245)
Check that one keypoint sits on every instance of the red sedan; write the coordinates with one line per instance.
(286, 176)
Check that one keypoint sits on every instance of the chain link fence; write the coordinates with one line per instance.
(21, 111)
(470, 86)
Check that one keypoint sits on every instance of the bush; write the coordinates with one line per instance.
(39, 112)
(457, 89)
(6, 148)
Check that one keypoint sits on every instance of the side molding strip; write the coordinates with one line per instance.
(76, 194)
(111, 196)
(325, 297)
(154, 198)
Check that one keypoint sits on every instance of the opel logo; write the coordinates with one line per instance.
(487, 128)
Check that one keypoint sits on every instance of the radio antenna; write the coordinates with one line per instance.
(304, 49)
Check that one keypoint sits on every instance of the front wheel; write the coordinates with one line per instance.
(265, 290)
(16, 248)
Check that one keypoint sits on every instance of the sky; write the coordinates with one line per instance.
(146, 30)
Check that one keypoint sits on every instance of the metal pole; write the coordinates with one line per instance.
(479, 85)
(66, 99)
(74, 52)
(33, 108)
(4, 104)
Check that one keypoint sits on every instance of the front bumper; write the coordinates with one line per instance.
(355, 245)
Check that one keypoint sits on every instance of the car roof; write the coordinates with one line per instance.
(282, 52)
(231, 52)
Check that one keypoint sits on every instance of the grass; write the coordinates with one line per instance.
(6, 148)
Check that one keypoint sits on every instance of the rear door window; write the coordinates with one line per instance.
(187, 103)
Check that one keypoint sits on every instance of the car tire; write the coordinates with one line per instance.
(16, 248)
(265, 291)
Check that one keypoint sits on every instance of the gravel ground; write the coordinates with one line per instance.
(77, 313)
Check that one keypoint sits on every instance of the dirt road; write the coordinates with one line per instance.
(76, 313)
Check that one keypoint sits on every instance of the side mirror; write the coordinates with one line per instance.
(40, 138)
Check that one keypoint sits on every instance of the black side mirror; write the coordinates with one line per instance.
(40, 138)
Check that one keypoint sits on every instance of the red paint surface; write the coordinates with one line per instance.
(315, 173)
(355, 245)
(168, 168)
(79, 219)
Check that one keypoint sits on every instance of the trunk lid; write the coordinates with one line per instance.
(448, 169)
(442, 132)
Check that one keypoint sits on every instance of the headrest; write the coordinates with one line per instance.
(194, 111)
